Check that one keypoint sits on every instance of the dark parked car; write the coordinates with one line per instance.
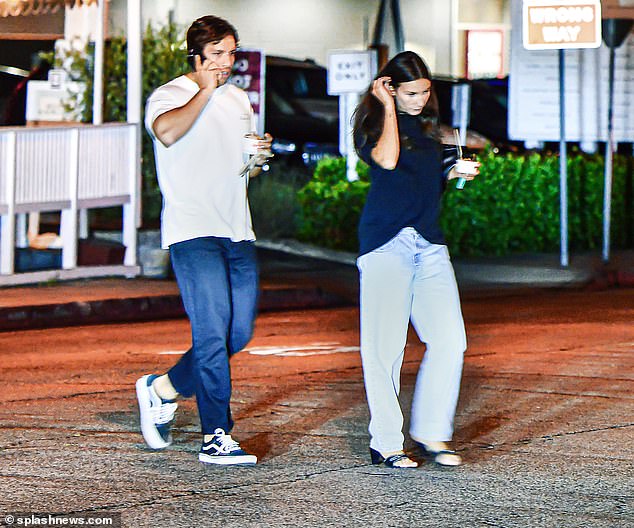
(489, 107)
(19, 62)
(301, 116)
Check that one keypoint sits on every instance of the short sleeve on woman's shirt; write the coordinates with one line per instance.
(365, 150)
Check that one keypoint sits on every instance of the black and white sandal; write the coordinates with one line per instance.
(397, 460)
(443, 457)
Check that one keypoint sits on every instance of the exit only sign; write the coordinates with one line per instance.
(562, 24)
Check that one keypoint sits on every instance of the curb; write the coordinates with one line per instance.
(512, 274)
(300, 249)
(520, 276)
(612, 279)
(148, 308)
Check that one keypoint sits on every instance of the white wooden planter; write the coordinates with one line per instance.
(68, 169)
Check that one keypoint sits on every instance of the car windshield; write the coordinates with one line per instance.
(297, 83)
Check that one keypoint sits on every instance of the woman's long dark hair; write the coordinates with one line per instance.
(368, 117)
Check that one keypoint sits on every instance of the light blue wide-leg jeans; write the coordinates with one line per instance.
(410, 278)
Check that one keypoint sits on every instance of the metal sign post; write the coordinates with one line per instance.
(461, 113)
(614, 33)
(460, 108)
(563, 163)
(349, 74)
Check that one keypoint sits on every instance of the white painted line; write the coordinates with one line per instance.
(316, 349)
(301, 351)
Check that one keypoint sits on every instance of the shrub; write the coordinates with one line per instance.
(274, 202)
(331, 205)
(512, 207)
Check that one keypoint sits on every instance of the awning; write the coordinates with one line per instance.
(37, 7)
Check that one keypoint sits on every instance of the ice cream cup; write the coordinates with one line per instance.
(467, 166)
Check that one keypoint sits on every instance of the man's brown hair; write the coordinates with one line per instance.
(205, 30)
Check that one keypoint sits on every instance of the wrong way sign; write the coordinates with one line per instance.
(561, 24)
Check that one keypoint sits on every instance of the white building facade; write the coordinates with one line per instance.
(437, 29)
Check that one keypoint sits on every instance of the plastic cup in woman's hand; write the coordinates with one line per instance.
(467, 166)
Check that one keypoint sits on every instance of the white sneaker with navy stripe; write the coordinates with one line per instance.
(222, 449)
(156, 414)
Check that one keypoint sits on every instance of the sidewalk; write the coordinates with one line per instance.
(293, 275)
(540, 270)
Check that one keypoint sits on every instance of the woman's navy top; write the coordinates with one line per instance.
(409, 195)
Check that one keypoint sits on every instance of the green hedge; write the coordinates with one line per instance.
(330, 205)
(512, 207)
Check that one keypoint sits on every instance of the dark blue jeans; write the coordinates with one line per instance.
(218, 281)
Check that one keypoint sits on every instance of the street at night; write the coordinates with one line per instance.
(545, 423)
(310, 165)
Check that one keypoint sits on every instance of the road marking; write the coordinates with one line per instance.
(318, 349)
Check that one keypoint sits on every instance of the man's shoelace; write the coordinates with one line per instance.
(164, 412)
(227, 444)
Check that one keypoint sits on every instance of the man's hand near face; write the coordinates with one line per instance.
(208, 74)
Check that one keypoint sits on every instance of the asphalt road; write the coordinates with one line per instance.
(545, 423)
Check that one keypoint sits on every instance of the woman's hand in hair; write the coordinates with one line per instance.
(383, 91)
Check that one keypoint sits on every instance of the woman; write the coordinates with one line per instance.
(404, 265)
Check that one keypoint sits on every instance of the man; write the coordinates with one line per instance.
(198, 123)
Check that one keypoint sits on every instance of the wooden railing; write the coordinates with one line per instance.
(68, 169)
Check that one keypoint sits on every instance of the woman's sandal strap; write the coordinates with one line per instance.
(455, 457)
(442, 452)
(436, 455)
(393, 460)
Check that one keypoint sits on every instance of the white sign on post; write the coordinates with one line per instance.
(561, 24)
(350, 72)
(534, 92)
